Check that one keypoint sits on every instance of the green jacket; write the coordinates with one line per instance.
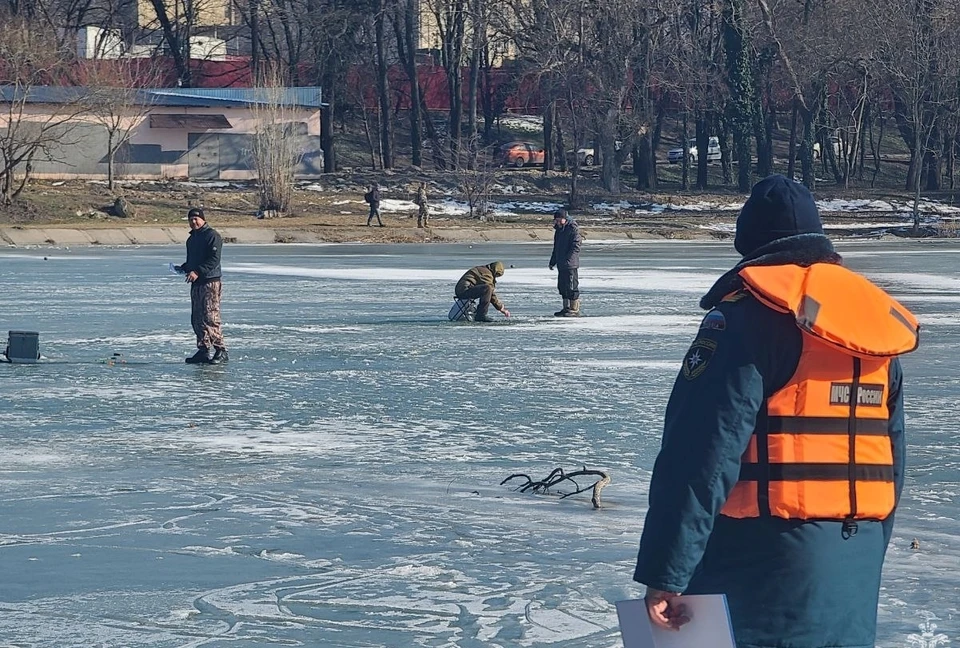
(482, 275)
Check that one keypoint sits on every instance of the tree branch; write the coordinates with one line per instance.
(558, 476)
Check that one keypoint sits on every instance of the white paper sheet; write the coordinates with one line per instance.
(709, 625)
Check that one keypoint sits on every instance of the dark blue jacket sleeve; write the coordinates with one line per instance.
(749, 353)
(896, 430)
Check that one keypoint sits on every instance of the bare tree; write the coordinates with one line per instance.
(451, 21)
(177, 23)
(277, 144)
(117, 102)
(31, 59)
(698, 75)
(917, 37)
(406, 27)
(476, 181)
(645, 120)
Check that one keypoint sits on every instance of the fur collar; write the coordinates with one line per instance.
(802, 249)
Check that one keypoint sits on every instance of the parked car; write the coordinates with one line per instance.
(587, 156)
(834, 143)
(674, 156)
(519, 154)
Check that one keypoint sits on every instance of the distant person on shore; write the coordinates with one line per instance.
(373, 197)
(480, 283)
(782, 460)
(202, 269)
(422, 208)
(566, 258)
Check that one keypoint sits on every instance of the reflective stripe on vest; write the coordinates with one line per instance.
(820, 449)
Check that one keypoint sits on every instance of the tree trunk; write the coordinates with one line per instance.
(574, 200)
(806, 150)
(452, 37)
(473, 81)
(723, 135)
(793, 150)
(454, 78)
(254, 9)
(703, 143)
(562, 158)
(741, 83)
(765, 141)
(488, 105)
(609, 165)
(643, 162)
(685, 156)
(178, 45)
(111, 155)
(327, 141)
(933, 171)
(549, 112)
(410, 36)
(439, 161)
(383, 91)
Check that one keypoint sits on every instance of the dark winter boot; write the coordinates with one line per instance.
(219, 355)
(563, 311)
(202, 356)
(574, 309)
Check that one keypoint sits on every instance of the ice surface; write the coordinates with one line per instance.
(338, 482)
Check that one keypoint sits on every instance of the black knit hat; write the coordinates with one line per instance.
(777, 207)
(196, 211)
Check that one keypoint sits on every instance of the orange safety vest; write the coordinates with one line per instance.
(821, 448)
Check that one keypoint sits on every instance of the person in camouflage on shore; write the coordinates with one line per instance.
(202, 268)
(423, 213)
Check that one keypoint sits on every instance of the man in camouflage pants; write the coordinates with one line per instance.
(423, 211)
(202, 268)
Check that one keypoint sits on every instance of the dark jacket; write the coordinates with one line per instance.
(566, 246)
(203, 254)
(789, 583)
(375, 197)
(481, 275)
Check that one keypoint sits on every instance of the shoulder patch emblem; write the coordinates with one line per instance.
(714, 321)
(698, 357)
(735, 296)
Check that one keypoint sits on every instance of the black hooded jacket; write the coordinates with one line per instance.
(566, 246)
(203, 254)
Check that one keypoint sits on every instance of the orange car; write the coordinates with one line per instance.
(520, 153)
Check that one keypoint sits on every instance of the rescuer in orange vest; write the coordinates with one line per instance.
(783, 447)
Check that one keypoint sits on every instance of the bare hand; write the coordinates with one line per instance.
(505, 312)
(193, 276)
(665, 609)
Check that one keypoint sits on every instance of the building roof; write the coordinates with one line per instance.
(304, 97)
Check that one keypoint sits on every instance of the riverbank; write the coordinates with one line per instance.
(332, 210)
(20, 236)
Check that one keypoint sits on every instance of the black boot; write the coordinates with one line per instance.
(202, 356)
(219, 355)
(563, 311)
(482, 317)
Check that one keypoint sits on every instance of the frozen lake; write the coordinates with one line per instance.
(337, 482)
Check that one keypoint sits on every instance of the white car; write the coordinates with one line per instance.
(675, 156)
(587, 157)
(834, 142)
